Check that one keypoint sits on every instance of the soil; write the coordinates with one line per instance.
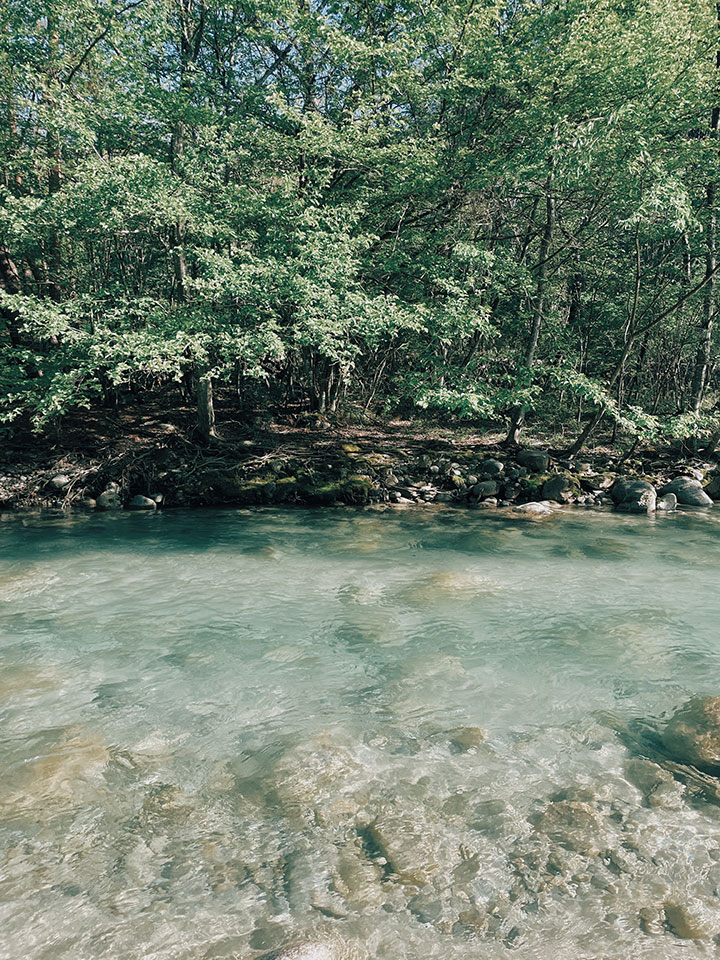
(147, 448)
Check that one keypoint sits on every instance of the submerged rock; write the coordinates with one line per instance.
(466, 738)
(574, 825)
(358, 880)
(311, 950)
(413, 848)
(692, 919)
(688, 491)
(63, 774)
(693, 733)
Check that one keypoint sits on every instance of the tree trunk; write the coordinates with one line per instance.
(57, 269)
(540, 296)
(702, 359)
(205, 408)
(10, 280)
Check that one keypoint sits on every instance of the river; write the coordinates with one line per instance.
(427, 733)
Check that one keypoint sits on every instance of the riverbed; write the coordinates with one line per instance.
(422, 734)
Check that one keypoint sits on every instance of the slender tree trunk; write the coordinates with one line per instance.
(205, 407)
(540, 297)
(57, 269)
(702, 360)
(11, 282)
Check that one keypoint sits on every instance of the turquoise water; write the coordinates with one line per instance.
(427, 733)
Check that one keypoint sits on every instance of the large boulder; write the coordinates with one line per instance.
(560, 488)
(633, 496)
(693, 733)
(688, 491)
(536, 461)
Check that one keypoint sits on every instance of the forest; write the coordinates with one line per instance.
(495, 211)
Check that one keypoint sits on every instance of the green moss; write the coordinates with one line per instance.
(322, 493)
(535, 482)
(358, 487)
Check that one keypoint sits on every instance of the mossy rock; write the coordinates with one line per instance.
(285, 488)
(353, 489)
(224, 487)
(322, 493)
(358, 487)
(350, 448)
(256, 491)
(534, 482)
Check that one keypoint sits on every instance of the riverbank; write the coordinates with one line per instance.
(141, 460)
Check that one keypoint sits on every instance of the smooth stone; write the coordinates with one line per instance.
(688, 491)
(693, 733)
(536, 461)
(60, 481)
(142, 503)
(667, 503)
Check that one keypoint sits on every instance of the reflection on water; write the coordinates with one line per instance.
(426, 734)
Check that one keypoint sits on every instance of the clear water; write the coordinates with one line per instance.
(421, 732)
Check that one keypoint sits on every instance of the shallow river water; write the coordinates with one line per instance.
(426, 734)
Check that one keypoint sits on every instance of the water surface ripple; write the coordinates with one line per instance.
(428, 733)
